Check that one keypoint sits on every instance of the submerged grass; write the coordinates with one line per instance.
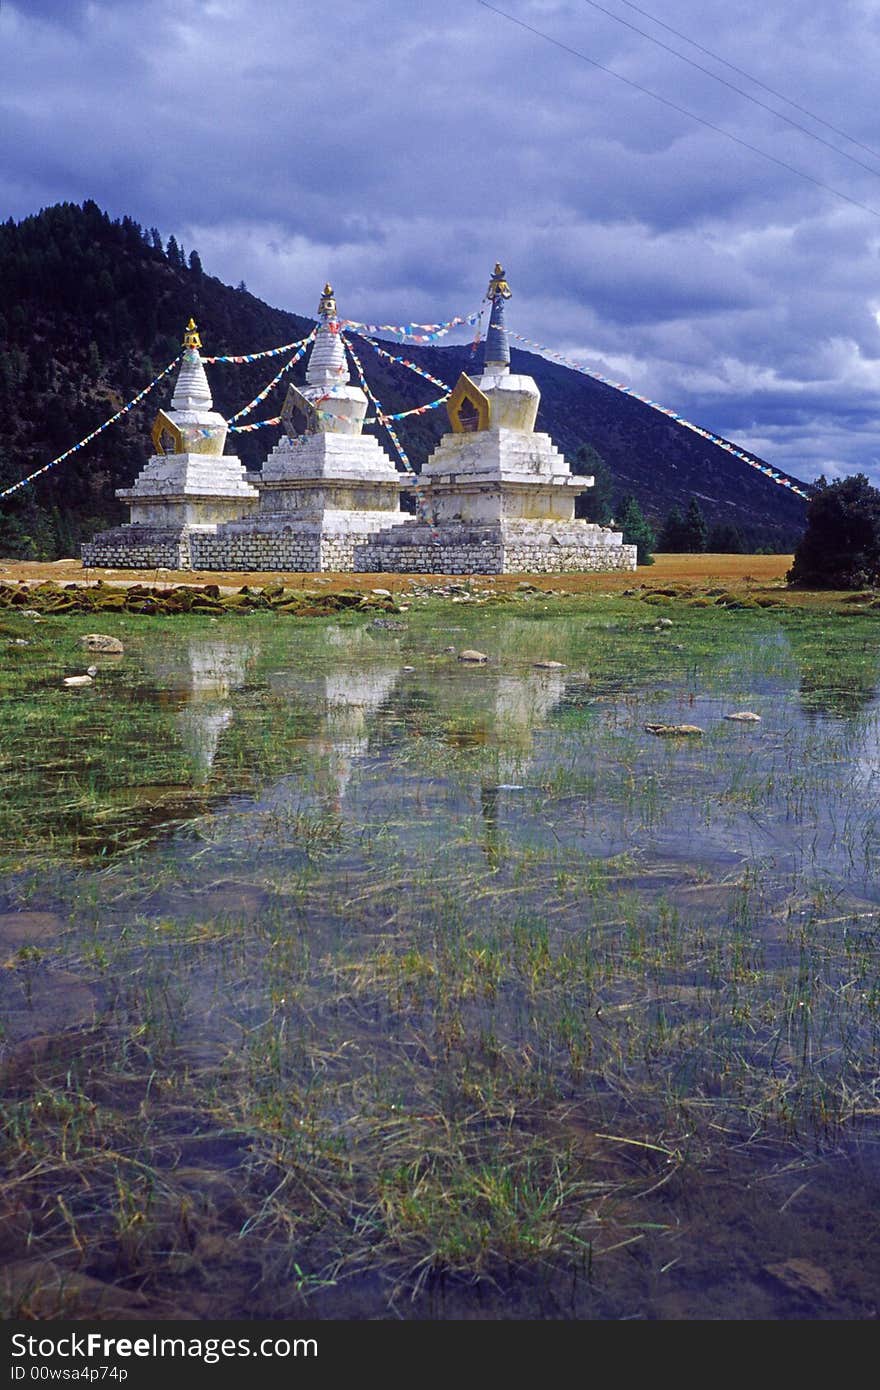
(341, 975)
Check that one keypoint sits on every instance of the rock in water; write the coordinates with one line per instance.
(87, 679)
(100, 642)
(469, 655)
(674, 730)
(744, 716)
(803, 1277)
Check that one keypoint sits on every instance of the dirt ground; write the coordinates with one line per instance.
(749, 571)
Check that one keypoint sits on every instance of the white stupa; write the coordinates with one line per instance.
(187, 487)
(326, 487)
(498, 497)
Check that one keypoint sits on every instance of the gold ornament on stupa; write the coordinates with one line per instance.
(327, 306)
(191, 337)
(498, 286)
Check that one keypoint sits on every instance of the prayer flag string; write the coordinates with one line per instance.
(405, 362)
(416, 410)
(416, 332)
(94, 434)
(255, 356)
(716, 439)
(383, 419)
(257, 425)
(380, 413)
(261, 396)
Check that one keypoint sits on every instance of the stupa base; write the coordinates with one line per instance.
(138, 547)
(520, 547)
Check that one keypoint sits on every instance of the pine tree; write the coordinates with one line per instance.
(172, 251)
(671, 540)
(597, 505)
(725, 539)
(636, 530)
(696, 530)
(195, 264)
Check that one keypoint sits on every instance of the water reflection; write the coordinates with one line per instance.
(347, 695)
(201, 675)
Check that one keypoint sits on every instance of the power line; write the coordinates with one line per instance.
(682, 110)
(618, 19)
(751, 77)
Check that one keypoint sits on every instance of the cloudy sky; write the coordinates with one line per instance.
(399, 147)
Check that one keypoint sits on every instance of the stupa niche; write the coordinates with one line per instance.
(187, 487)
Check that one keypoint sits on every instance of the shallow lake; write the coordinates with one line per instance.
(344, 976)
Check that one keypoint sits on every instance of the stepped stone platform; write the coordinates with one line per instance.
(528, 547)
(320, 499)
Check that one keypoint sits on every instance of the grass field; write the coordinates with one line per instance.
(678, 569)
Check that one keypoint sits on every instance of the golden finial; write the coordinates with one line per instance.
(498, 286)
(191, 337)
(327, 306)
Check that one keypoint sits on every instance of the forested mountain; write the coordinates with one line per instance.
(91, 309)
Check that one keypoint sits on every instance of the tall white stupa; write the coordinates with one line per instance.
(326, 487)
(187, 487)
(498, 497)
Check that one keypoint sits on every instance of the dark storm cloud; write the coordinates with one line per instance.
(401, 148)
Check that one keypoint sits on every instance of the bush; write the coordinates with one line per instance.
(840, 548)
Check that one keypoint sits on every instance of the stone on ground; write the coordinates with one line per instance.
(101, 642)
(674, 730)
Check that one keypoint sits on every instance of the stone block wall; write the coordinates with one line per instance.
(139, 547)
(255, 552)
(412, 549)
(425, 557)
(376, 558)
(567, 559)
(303, 552)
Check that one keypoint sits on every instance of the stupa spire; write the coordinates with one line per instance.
(496, 350)
(327, 365)
(191, 390)
(327, 306)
